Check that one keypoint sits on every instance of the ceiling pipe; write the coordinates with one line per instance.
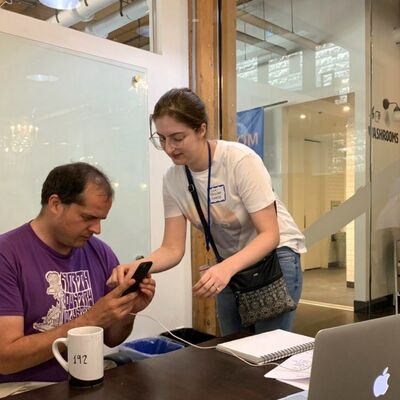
(131, 12)
(276, 29)
(81, 13)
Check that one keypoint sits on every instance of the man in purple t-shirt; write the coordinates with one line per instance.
(53, 276)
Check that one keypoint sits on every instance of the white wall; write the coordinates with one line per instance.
(172, 303)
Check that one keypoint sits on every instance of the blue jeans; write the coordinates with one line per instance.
(228, 315)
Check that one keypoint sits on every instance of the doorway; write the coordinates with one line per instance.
(312, 199)
(318, 133)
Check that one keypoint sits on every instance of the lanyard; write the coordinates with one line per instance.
(192, 189)
(208, 196)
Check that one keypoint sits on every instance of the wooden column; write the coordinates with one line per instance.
(205, 79)
(203, 41)
(228, 70)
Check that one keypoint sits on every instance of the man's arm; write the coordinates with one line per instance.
(19, 352)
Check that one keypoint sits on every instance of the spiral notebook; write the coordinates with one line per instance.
(268, 346)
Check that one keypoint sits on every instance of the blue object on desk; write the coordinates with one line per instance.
(148, 347)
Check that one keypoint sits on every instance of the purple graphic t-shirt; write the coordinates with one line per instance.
(49, 289)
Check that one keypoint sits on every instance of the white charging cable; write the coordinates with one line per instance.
(201, 347)
(173, 335)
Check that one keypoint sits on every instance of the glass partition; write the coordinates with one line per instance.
(309, 76)
(59, 106)
(384, 130)
(330, 95)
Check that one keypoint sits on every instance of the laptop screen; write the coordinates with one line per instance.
(357, 361)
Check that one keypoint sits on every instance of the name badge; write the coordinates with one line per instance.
(217, 194)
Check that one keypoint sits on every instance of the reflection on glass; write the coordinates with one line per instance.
(81, 116)
(287, 72)
(332, 64)
(247, 69)
(19, 138)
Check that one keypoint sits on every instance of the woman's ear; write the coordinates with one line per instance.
(203, 130)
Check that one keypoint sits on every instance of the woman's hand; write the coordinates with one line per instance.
(121, 272)
(213, 281)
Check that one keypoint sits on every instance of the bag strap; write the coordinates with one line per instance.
(207, 232)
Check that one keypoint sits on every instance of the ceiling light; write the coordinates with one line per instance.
(61, 4)
(42, 78)
(143, 30)
(303, 116)
(21, 138)
(346, 108)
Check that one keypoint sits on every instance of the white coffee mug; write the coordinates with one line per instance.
(85, 355)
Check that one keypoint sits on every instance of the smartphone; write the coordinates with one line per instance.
(138, 276)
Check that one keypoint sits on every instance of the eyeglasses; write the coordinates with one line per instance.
(159, 141)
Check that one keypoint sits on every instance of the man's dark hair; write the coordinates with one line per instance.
(69, 181)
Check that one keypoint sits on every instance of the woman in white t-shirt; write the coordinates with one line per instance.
(233, 180)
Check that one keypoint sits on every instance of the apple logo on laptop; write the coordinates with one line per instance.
(381, 383)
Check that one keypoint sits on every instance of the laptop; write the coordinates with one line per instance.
(356, 361)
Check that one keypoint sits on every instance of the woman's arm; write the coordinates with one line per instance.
(172, 248)
(266, 223)
(165, 257)
(267, 239)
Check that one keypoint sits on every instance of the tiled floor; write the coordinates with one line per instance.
(322, 287)
(327, 285)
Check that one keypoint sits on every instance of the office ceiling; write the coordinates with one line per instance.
(265, 28)
(130, 31)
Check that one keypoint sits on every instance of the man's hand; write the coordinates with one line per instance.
(19, 352)
(114, 307)
(143, 296)
(112, 312)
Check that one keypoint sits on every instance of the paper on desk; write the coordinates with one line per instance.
(303, 384)
(295, 371)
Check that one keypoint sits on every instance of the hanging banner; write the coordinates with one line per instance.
(250, 129)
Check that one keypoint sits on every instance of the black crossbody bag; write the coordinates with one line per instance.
(260, 290)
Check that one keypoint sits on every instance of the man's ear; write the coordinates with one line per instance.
(54, 204)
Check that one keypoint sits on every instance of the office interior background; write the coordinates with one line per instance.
(79, 85)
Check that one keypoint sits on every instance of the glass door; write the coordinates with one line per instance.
(384, 129)
(309, 77)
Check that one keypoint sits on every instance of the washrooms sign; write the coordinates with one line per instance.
(383, 134)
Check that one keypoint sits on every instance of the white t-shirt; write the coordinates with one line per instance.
(240, 184)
